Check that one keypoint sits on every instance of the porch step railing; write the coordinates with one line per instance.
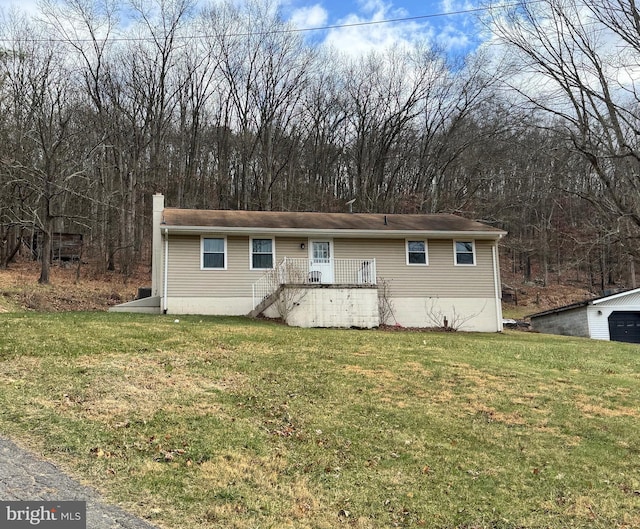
(296, 271)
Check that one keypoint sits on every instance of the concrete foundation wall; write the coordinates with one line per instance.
(472, 315)
(210, 306)
(333, 307)
(353, 307)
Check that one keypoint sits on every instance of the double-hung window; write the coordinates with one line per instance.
(214, 253)
(262, 254)
(465, 253)
(417, 253)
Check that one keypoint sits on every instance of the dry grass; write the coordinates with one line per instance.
(224, 422)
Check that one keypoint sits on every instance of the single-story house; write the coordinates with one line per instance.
(613, 317)
(326, 269)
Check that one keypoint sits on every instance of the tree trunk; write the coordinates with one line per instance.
(45, 255)
(14, 250)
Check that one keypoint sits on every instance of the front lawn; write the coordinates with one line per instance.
(227, 422)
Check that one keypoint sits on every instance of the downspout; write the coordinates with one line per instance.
(496, 282)
(166, 271)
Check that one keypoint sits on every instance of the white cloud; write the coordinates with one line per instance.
(360, 33)
(374, 6)
(454, 6)
(363, 39)
(450, 38)
(354, 39)
(309, 17)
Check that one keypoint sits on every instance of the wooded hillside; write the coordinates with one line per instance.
(228, 107)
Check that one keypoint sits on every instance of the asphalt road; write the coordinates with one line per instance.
(26, 477)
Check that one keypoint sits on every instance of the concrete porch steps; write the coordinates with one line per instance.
(150, 305)
(266, 303)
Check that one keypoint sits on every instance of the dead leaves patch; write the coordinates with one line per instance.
(591, 409)
(235, 472)
(380, 375)
(144, 385)
(492, 415)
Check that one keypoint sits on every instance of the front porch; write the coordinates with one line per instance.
(306, 292)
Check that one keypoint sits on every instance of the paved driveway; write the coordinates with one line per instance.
(25, 477)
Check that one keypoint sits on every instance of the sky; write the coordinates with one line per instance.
(443, 23)
(455, 33)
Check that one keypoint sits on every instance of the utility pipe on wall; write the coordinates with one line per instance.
(166, 271)
(496, 281)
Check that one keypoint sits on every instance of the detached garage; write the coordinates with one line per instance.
(615, 317)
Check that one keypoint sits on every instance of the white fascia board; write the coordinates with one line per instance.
(301, 232)
(616, 296)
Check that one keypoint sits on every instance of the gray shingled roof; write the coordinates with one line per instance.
(327, 222)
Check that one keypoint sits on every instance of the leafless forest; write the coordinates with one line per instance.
(103, 103)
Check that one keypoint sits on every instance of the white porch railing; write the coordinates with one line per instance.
(295, 271)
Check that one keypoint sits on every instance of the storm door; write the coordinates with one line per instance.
(321, 262)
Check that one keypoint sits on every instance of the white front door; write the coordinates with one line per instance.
(321, 262)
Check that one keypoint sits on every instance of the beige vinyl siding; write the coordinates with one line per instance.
(186, 279)
(439, 278)
(290, 247)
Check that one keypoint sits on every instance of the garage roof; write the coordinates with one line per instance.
(584, 303)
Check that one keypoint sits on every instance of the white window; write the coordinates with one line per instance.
(465, 253)
(213, 253)
(262, 254)
(417, 253)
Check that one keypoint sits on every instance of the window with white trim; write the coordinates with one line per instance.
(417, 253)
(213, 253)
(262, 254)
(465, 253)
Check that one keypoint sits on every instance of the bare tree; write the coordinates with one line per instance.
(265, 69)
(322, 126)
(384, 96)
(574, 62)
(46, 159)
(86, 29)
